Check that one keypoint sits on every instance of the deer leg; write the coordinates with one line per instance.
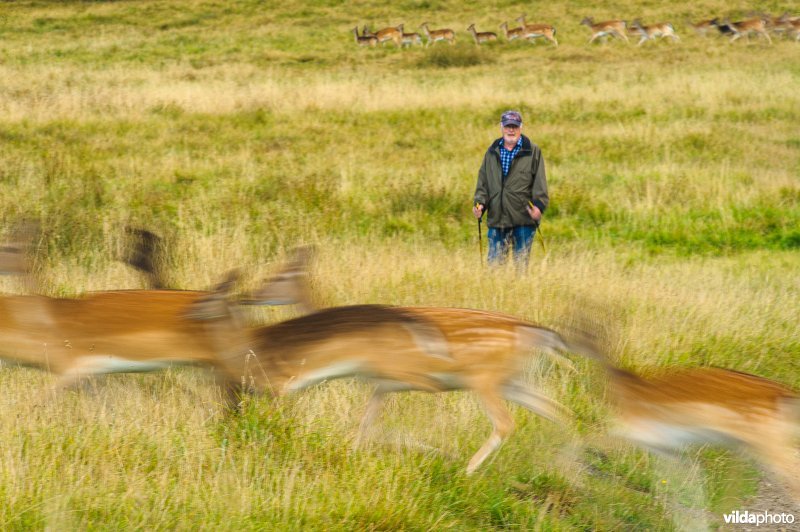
(537, 403)
(372, 411)
(775, 450)
(75, 374)
(502, 424)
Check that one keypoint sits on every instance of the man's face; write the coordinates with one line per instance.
(511, 134)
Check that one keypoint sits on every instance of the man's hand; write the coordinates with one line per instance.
(477, 210)
(534, 212)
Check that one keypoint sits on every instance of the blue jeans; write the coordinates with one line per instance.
(501, 239)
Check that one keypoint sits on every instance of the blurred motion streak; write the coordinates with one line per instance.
(104, 332)
(710, 405)
(482, 351)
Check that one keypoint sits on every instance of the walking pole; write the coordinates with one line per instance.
(480, 241)
(539, 232)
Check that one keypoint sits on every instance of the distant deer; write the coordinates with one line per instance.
(534, 31)
(364, 40)
(412, 39)
(701, 28)
(794, 30)
(723, 28)
(654, 31)
(438, 35)
(616, 28)
(748, 27)
(513, 33)
(394, 34)
(482, 36)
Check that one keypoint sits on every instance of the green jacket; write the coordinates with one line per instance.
(504, 200)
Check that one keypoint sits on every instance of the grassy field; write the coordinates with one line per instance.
(241, 129)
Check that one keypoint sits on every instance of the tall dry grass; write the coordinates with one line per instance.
(238, 132)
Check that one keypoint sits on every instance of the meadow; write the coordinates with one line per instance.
(241, 129)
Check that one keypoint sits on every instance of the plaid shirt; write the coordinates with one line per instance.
(507, 156)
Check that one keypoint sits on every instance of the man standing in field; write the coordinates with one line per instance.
(512, 189)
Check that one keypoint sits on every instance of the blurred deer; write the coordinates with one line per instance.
(442, 349)
(615, 28)
(652, 32)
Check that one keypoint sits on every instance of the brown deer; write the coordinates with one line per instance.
(412, 39)
(394, 34)
(106, 332)
(481, 37)
(710, 405)
(435, 36)
(702, 27)
(289, 286)
(512, 33)
(534, 31)
(748, 27)
(464, 350)
(654, 31)
(365, 40)
(616, 28)
(794, 30)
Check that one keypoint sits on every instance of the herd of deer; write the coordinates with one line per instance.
(432, 349)
(761, 25)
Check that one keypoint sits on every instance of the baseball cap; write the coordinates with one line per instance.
(511, 118)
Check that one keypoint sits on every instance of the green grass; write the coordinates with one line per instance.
(239, 130)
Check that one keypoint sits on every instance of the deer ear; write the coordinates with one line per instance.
(287, 287)
(147, 253)
(214, 305)
(231, 278)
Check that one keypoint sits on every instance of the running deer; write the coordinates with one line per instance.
(481, 37)
(748, 27)
(119, 331)
(412, 39)
(364, 40)
(461, 349)
(434, 36)
(534, 31)
(616, 28)
(778, 25)
(654, 31)
(513, 33)
(794, 29)
(723, 28)
(701, 28)
(680, 407)
(289, 286)
(394, 34)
